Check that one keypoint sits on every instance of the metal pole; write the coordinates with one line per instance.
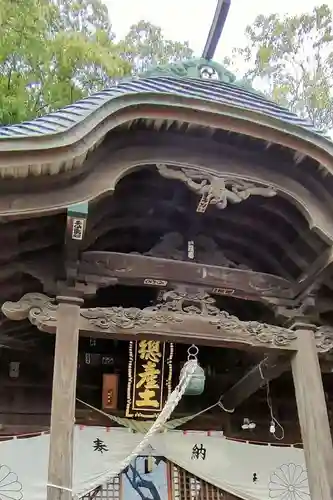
(220, 17)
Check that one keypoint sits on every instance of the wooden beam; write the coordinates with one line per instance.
(183, 317)
(315, 274)
(270, 368)
(99, 267)
(232, 335)
(313, 416)
(60, 474)
(168, 321)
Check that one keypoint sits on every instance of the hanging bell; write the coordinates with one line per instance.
(196, 384)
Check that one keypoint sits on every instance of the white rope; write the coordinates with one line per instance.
(172, 402)
(63, 488)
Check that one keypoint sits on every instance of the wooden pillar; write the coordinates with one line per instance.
(63, 400)
(313, 416)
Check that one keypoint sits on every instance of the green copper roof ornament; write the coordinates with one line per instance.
(193, 68)
(204, 68)
(200, 69)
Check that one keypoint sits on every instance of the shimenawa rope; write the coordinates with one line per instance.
(172, 402)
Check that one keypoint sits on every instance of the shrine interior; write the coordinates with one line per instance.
(26, 400)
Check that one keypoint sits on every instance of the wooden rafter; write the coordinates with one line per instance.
(268, 369)
(316, 273)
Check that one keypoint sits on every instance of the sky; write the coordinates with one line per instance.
(190, 19)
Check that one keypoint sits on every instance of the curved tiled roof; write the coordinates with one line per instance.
(214, 91)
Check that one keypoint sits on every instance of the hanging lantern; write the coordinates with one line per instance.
(196, 384)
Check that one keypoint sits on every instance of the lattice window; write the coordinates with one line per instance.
(110, 491)
(186, 486)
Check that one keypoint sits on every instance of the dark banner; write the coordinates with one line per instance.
(149, 377)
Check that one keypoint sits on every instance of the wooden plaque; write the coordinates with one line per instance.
(149, 377)
(110, 391)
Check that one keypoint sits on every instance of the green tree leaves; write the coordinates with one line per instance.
(292, 59)
(148, 47)
(54, 52)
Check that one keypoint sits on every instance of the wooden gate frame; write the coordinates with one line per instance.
(169, 321)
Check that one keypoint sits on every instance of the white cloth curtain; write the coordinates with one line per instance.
(251, 472)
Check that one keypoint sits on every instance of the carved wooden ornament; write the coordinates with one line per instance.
(181, 317)
(214, 190)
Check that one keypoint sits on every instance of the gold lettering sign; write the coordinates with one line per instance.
(149, 377)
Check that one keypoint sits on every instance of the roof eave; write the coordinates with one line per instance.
(78, 140)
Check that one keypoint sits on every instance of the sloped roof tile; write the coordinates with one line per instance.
(214, 91)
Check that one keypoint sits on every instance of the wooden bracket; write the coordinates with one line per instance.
(305, 311)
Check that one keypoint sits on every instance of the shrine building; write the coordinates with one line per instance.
(175, 221)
